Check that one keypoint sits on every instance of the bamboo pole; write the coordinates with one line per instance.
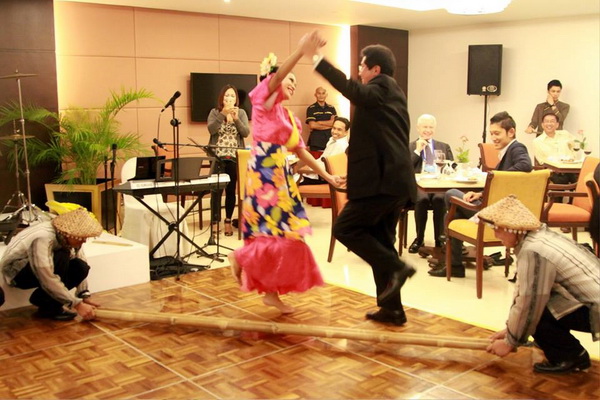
(294, 329)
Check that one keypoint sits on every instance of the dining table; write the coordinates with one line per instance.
(563, 166)
(436, 183)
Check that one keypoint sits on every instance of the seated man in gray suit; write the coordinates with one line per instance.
(513, 157)
(422, 151)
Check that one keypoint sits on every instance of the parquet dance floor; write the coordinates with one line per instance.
(105, 359)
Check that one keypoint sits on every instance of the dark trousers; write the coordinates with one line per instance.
(461, 213)
(368, 228)
(554, 336)
(71, 272)
(228, 167)
(426, 201)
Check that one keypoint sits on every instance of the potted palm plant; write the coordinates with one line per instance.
(80, 142)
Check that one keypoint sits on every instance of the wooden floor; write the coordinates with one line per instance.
(44, 360)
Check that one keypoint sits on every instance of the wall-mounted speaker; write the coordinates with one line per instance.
(485, 69)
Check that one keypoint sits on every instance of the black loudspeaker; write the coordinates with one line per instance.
(485, 69)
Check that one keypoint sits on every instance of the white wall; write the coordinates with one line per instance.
(534, 52)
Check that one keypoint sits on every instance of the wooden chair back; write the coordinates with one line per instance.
(242, 169)
(336, 165)
(489, 157)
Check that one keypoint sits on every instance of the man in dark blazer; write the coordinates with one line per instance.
(381, 178)
(513, 157)
(422, 151)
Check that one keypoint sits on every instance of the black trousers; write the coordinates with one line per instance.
(71, 272)
(426, 201)
(368, 228)
(554, 336)
(228, 167)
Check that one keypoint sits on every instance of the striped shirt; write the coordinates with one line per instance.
(556, 273)
(35, 246)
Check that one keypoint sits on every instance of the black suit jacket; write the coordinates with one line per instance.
(516, 158)
(417, 160)
(378, 158)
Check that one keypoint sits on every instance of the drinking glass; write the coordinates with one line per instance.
(440, 160)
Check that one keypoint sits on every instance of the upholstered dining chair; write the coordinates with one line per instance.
(141, 226)
(529, 187)
(489, 156)
(336, 165)
(243, 156)
(576, 214)
(594, 196)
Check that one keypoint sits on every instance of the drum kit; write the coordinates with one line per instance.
(18, 210)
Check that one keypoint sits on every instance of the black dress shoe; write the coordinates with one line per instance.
(57, 315)
(582, 362)
(396, 282)
(457, 272)
(414, 247)
(395, 317)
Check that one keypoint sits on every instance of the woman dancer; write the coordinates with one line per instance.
(275, 259)
(228, 126)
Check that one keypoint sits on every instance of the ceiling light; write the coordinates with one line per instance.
(476, 7)
(463, 7)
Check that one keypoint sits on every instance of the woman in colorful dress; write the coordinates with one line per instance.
(275, 259)
(228, 126)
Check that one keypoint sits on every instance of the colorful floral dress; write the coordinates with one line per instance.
(275, 257)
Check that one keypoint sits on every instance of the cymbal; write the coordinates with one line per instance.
(17, 75)
(16, 137)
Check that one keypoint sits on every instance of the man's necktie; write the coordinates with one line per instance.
(429, 159)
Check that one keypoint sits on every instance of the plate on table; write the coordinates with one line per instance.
(427, 176)
(570, 162)
(471, 179)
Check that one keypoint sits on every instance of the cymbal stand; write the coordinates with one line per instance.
(32, 211)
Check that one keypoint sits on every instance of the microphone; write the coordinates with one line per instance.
(114, 153)
(171, 100)
(158, 143)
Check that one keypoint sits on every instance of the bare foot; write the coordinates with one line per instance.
(236, 271)
(273, 300)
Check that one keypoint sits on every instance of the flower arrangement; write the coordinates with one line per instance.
(267, 64)
(463, 152)
(582, 142)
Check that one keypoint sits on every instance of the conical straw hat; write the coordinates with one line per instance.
(510, 214)
(77, 224)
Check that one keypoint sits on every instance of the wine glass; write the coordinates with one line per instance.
(440, 159)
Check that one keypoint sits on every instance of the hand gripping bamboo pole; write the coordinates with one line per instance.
(295, 329)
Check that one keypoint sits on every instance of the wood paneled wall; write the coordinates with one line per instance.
(27, 45)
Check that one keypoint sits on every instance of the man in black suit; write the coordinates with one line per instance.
(381, 178)
(513, 157)
(423, 151)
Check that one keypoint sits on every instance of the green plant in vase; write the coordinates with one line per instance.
(81, 139)
(462, 155)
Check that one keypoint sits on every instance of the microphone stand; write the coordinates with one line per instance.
(105, 194)
(483, 135)
(178, 260)
(113, 194)
(213, 216)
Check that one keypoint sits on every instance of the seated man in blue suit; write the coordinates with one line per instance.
(422, 152)
(513, 157)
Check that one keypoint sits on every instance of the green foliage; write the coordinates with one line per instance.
(81, 139)
(462, 155)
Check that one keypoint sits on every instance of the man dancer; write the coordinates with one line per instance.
(381, 179)
(422, 151)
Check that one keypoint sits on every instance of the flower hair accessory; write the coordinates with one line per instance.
(267, 64)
